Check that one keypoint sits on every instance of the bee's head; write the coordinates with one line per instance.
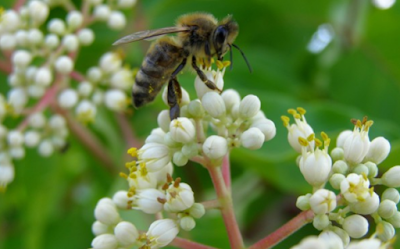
(224, 35)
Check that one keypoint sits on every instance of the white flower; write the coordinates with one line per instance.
(43, 76)
(147, 200)
(355, 188)
(10, 20)
(22, 37)
(31, 138)
(57, 122)
(64, 64)
(106, 212)
(99, 228)
(70, 42)
(182, 130)
(367, 206)
(316, 166)
(46, 148)
(120, 198)
(102, 12)
(6, 174)
(300, 129)
(331, 239)
(122, 79)
(116, 20)
(163, 120)
(187, 223)
(179, 197)
(355, 225)
(74, 19)
(161, 175)
(371, 243)
(391, 178)
(85, 36)
(311, 242)
(115, 100)
(356, 145)
(17, 98)
(202, 88)
(86, 111)
(161, 233)
(391, 194)
(38, 11)
(213, 104)
(155, 156)
(85, 88)
(156, 136)
(267, 127)
(56, 26)
(105, 241)
(323, 201)
(68, 98)
(110, 62)
(249, 106)
(124, 4)
(21, 58)
(196, 109)
(342, 137)
(8, 42)
(15, 138)
(215, 147)
(252, 138)
(94, 74)
(51, 41)
(37, 120)
(35, 37)
(387, 209)
(231, 97)
(126, 233)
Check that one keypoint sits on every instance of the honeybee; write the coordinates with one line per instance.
(199, 37)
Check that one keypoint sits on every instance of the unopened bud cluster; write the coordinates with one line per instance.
(352, 171)
(42, 53)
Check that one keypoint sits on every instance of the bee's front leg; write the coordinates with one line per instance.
(203, 77)
(174, 96)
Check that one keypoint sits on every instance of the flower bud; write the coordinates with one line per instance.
(344, 236)
(372, 169)
(102, 12)
(56, 26)
(105, 241)
(147, 200)
(64, 64)
(215, 147)
(337, 154)
(321, 221)
(342, 137)
(197, 210)
(356, 226)
(202, 88)
(94, 74)
(106, 212)
(37, 120)
(252, 138)
(121, 199)
(182, 130)
(99, 228)
(387, 209)
(196, 109)
(21, 37)
(51, 41)
(156, 156)
(187, 223)
(126, 233)
(85, 36)
(371, 243)
(180, 159)
(356, 147)
(86, 111)
(10, 20)
(21, 58)
(179, 198)
(323, 201)
(46, 148)
(125, 4)
(303, 202)
(385, 231)
(163, 120)
(116, 20)
(110, 62)
(361, 169)
(35, 37)
(156, 136)
(38, 11)
(190, 150)
(43, 76)
(213, 104)
(17, 98)
(70, 42)
(32, 138)
(335, 180)
(68, 98)
(162, 232)
(115, 100)
(378, 151)
(267, 127)
(15, 138)
(391, 194)
(391, 178)
(8, 42)
(74, 19)
(368, 206)
(315, 167)
(395, 220)
(332, 240)
(231, 98)
(6, 175)
(249, 106)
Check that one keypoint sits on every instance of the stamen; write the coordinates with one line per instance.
(301, 110)
(285, 120)
(303, 141)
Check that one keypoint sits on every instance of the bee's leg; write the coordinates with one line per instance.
(203, 77)
(179, 68)
(174, 96)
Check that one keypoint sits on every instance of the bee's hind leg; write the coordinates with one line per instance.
(203, 77)
(174, 96)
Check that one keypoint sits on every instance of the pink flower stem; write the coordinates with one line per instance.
(77, 76)
(226, 171)
(225, 199)
(284, 231)
(5, 67)
(18, 4)
(127, 132)
(188, 244)
(211, 204)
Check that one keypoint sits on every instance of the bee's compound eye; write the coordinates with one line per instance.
(220, 34)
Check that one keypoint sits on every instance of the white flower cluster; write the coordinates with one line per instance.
(352, 170)
(42, 53)
(152, 190)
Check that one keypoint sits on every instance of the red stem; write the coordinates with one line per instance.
(187, 244)
(226, 171)
(284, 231)
(5, 67)
(127, 132)
(18, 4)
(228, 215)
(211, 204)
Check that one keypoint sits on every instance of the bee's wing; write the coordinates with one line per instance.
(150, 34)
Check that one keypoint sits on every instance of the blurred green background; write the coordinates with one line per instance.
(50, 203)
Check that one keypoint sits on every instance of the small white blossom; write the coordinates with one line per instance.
(357, 144)
(35, 37)
(124, 4)
(391, 178)
(182, 130)
(156, 136)
(395, 220)
(51, 41)
(231, 97)
(355, 188)
(187, 223)
(46, 148)
(386, 231)
(355, 225)
(85, 36)
(387, 209)
(10, 20)
(94, 74)
(115, 100)
(155, 156)
(161, 233)
(17, 152)
(213, 104)
(38, 11)
(331, 239)
(15, 138)
(126, 233)
(372, 243)
(316, 166)
(391, 194)
(68, 98)
(57, 122)
(21, 58)
(342, 137)
(311, 242)
(105, 241)
(215, 147)
(31, 138)
(180, 159)
(70, 42)
(6, 174)
(147, 200)
(122, 79)
(116, 20)
(252, 138)
(86, 111)
(267, 127)
(179, 197)
(8, 42)
(163, 120)
(99, 228)
(74, 19)
(21, 37)
(56, 26)
(367, 206)
(121, 199)
(64, 64)
(202, 88)
(249, 106)
(102, 12)
(85, 88)
(17, 98)
(106, 212)
(299, 129)
(323, 201)
(37, 120)
(110, 62)
(43, 76)
(196, 109)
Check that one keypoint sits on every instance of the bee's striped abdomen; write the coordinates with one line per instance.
(160, 62)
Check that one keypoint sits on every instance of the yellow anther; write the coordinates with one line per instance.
(358, 124)
(292, 111)
(226, 63)
(219, 64)
(324, 136)
(123, 175)
(318, 142)
(285, 120)
(327, 142)
(132, 176)
(364, 120)
(301, 110)
(129, 165)
(311, 137)
(133, 152)
(297, 116)
(303, 141)
(143, 171)
(368, 124)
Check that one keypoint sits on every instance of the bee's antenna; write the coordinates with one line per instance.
(231, 56)
(244, 57)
